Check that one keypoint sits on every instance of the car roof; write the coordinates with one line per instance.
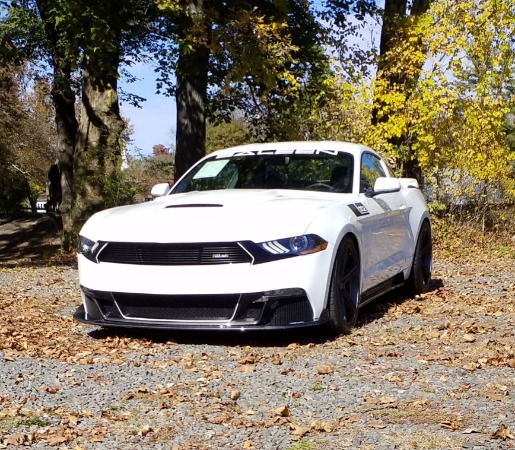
(355, 149)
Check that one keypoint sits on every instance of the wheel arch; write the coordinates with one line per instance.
(353, 236)
(424, 220)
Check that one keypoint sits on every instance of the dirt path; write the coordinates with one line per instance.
(28, 238)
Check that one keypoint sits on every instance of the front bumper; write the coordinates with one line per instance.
(309, 273)
(278, 309)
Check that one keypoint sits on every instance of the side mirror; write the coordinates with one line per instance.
(159, 190)
(409, 183)
(385, 185)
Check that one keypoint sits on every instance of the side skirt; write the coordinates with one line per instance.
(381, 289)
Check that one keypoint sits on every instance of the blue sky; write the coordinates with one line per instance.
(154, 122)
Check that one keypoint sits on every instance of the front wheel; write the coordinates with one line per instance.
(344, 291)
(420, 276)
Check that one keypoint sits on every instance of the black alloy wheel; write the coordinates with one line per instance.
(344, 292)
(420, 276)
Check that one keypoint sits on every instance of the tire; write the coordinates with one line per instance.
(344, 292)
(420, 276)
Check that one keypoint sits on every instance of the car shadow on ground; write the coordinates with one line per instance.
(28, 239)
(262, 338)
(380, 307)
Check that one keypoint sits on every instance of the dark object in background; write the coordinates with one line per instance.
(55, 193)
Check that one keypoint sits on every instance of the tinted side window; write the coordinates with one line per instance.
(370, 170)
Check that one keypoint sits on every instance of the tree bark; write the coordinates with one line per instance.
(393, 16)
(191, 92)
(394, 20)
(98, 154)
(67, 126)
(63, 97)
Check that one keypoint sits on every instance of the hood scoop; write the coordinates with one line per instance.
(196, 205)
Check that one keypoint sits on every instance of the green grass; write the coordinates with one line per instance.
(29, 422)
(115, 408)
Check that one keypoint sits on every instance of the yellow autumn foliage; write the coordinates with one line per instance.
(453, 116)
(443, 101)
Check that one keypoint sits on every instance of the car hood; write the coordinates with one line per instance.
(212, 216)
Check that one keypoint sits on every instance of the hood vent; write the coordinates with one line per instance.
(196, 205)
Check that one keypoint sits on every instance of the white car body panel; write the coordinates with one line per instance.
(384, 225)
(242, 216)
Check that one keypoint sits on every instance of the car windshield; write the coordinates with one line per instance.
(321, 171)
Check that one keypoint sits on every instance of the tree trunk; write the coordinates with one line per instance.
(89, 151)
(394, 20)
(67, 126)
(30, 196)
(394, 14)
(63, 97)
(191, 93)
(98, 155)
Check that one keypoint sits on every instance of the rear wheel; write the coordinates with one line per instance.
(420, 276)
(345, 286)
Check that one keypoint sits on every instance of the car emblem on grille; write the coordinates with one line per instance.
(220, 255)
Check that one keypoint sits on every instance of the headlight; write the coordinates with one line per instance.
(90, 249)
(285, 248)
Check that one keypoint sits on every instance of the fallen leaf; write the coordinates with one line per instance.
(420, 402)
(325, 369)
(276, 360)
(298, 431)
(13, 439)
(283, 411)
(503, 432)
(56, 440)
(318, 425)
(376, 425)
(144, 430)
(220, 419)
(450, 425)
(469, 338)
(386, 400)
(370, 400)
(248, 359)
(351, 419)
(247, 368)
(53, 390)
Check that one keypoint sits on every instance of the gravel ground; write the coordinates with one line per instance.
(432, 372)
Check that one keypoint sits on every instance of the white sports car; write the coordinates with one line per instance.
(260, 236)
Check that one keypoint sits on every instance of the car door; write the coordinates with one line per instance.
(385, 228)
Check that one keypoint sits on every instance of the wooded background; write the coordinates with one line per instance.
(435, 97)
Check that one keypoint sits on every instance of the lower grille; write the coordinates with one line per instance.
(191, 307)
(151, 254)
(258, 309)
(292, 310)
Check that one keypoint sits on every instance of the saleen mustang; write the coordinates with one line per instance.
(260, 236)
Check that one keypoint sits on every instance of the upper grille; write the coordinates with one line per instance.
(173, 254)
